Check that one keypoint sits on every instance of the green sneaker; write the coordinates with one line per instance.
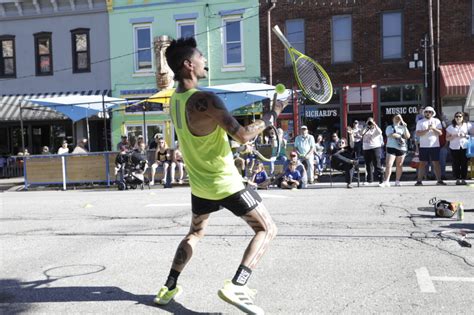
(241, 297)
(164, 296)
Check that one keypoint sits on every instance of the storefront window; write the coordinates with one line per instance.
(390, 94)
(322, 120)
(412, 93)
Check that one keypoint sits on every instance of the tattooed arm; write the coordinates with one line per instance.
(211, 105)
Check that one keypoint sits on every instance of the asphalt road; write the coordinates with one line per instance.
(366, 250)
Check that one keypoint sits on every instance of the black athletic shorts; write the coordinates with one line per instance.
(240, 203)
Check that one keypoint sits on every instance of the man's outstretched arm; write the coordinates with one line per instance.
(213, 106)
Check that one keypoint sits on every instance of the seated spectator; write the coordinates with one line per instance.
(259, 179)
(239, 162)
(292, 177)
(138, 143)
(333, 144)
(281, 155)
(64, 149)
(344, 159)
(163, 159)
(299, 167)
(177, 162)
(123, 142)
(250, 158)
(45, 150)
(81, 147)
(154, 144)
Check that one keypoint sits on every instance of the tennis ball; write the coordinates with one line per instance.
(280, 88)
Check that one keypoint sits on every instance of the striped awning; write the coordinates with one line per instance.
(10, 106)
(455, 79)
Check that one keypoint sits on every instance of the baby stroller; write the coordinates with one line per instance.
(130, 170)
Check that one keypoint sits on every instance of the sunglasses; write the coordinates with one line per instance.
(428, 112)
(457, 116)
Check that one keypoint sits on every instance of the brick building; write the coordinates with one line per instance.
(374, 53)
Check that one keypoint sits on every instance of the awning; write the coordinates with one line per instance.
(234, 96)
(455, 79)
(78, 107)
(10, 106)
(469, 106)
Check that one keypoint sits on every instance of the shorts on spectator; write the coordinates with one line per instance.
(429, 154)
(396, 152)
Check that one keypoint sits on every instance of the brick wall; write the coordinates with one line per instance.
(457, 43)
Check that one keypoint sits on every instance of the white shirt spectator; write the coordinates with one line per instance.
(62, 150)
(372, 138)
(431, 138)
(458, 142)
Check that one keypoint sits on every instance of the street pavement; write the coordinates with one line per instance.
(365, 250)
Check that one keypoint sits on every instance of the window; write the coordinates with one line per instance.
(7, 56)
(295, 35)
(186, 28)
(133, 131)
(80, 50)
(342, 38)
(44, 53)
(233, 42)
(392, 35)
(143, 48)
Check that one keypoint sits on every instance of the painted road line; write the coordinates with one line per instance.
(168, 205)
(271, 196)
(425, 281)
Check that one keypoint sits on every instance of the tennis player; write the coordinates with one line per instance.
(202, 123)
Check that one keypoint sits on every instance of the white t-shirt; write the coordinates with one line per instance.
(431, 138)
(456, 141)
(62, 150)
(372, 138)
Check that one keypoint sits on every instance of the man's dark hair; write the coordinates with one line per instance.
(179, 51)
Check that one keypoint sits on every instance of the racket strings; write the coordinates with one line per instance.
(313, 81)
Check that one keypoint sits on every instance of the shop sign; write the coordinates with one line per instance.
(402, 110)
(315, 112)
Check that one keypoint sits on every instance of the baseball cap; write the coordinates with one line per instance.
(304, 127)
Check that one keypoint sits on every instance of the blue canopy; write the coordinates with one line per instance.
(78, 107)
(238, 95)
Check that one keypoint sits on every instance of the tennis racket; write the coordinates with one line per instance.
(312, 79)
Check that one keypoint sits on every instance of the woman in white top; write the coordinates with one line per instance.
(457, 134)
(64, 148)
(372, 142)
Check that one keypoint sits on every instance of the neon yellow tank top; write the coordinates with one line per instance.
(208, 159)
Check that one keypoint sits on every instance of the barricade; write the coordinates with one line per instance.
(69, 169)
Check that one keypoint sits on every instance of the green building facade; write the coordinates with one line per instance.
(227, 33)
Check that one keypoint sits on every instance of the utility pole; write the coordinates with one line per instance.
(425, 45)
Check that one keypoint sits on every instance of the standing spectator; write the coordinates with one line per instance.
(123, 143)
(292, 177)
(397, 147)
(280, 156)
(64, 149)
(259, 178)
(429, 129)
(319, 155)
(305, 145)
(457, 134)
(357, 133)
(81, 147)
(443, 147)
(163, 159)
(344, 159)
(372, 142)
(470, 126)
